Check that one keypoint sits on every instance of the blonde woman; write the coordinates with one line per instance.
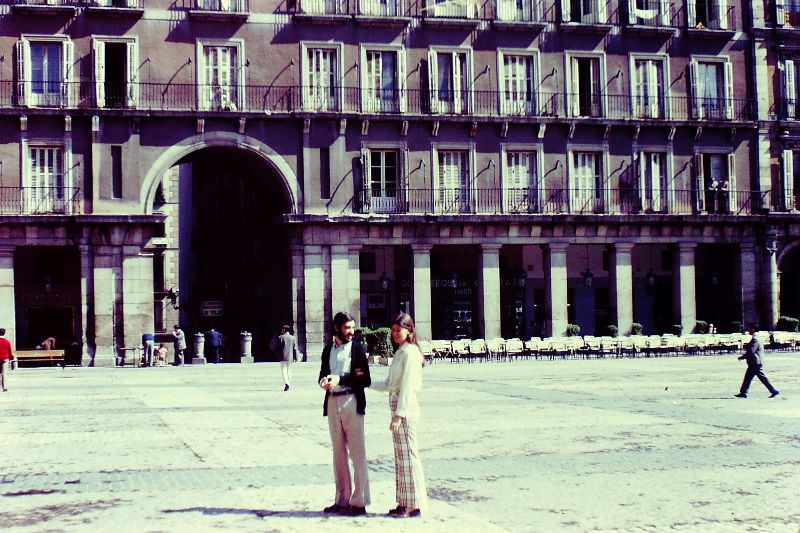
(403, 385)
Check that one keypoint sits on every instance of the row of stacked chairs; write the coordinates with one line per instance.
(591, 347)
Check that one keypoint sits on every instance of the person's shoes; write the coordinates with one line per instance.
(408, 514)
(397, 510)
(740, 395)
(353, 510)
(774, 393)
(335, 508)
(285, 388)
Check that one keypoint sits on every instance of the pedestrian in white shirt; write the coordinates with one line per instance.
(403, 384)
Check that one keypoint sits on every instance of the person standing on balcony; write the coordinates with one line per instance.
(711, 196)
(6, 354)
(403, 384)
(753, 351)
(724, 196)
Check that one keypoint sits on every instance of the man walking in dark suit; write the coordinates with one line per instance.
(753, 351)
(344, 374)
(288, 347)
(214, 343)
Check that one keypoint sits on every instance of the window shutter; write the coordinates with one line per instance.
(728, 81)
(695, 97)
(640, 170)
(503, 89)
(788, 179)
(433, 80)
(780, 16)
(401, 80)
(574, 89)
(99, 73)
(789, 88)
(366, 186)
(602, 18)
(241, 83)
(133, 74)
(565, 11)
(404, 183)
(631, 12)
(458, 90)
(23, 70)
(732, 200)
(699, 189)
(66, 188)
(67, 59)
(691, 13)
(722, 5)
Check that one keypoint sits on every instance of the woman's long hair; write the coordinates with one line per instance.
(405, 321)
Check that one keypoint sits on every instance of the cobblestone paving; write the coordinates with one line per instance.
(600, 445)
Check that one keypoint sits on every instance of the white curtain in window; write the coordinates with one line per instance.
(46, 180)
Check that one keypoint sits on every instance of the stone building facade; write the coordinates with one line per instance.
(497, 169)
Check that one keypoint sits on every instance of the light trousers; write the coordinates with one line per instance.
(347, 439)
(3, 364)
(286, 370)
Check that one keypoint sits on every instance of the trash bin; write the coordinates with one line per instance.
(199, 349)
(246, 343)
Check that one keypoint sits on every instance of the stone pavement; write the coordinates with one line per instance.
(622, 445)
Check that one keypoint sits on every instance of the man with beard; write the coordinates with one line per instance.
(344, 375)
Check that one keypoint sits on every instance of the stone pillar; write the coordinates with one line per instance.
(685, 296)
(105, 283)
(340, 279)
(748, 282)
(354, 283)
(298, 296)
(556, 288)
(421, 279)
(137, 297)
(8, 310)
(314, 300)
(773, 286)
(622, 286)
(490, 291)
(87, 303)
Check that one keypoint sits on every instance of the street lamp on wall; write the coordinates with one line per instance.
(172, 296)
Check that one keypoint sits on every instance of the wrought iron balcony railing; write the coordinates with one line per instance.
(787, 14)
(577, 201)
(223, 6)
(520, 11)
(652, 13)
(701, 15)
(40, 201)
(211, 98)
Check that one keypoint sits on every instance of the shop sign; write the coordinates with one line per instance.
(212, 308)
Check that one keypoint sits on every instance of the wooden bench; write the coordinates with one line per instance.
(53, 357)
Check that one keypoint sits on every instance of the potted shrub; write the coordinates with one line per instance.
(636, 329)
(613, 330)
(787, 323)
(677, 329)
(573, 330)
(701, 326)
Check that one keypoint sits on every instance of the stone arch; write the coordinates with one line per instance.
(786, 252)
(175, 153)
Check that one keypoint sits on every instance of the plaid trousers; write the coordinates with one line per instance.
(408, 473)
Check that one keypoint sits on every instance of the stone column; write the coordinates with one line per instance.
(87, 303)
(8, 309)
(490, 291)
(556, 289)
(314, 300)
(622, 286)
(340, 279)
(748, 282)
(298, 295)
(137, 297)
(685, 296)
(105, 284)
(354, 283)
(773, 286)
(421, 279)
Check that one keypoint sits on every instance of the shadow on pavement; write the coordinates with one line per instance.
(261, 513)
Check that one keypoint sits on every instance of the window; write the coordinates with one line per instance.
(586, 87)
(381, 8)
(44, 69)
(517, 83)
(220, 74)
(648, 90)
(584, 11)
(453, 190)
(515, 10)
(325, 173)
(708, 14)
(45, 190)
(116, 172)
(449, 78)
(321, 80)
(790, 71)
(712, 87)
(450, 9)
(382, 82)
(787, 13)
(383, 174)
(649, 12)
(116, 72)
(520, 183)
(791, 179)
(587, 190)
(714, 188)
(323, 7)
(653, 181)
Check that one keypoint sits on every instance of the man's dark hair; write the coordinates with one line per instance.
(340, 320)
(175, 326)
(2, 331)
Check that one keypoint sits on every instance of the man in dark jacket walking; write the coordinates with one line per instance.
(344, 374)
(214, 343)
(753, 351)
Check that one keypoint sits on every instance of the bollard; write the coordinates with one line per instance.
(246, 342)
(199, 347)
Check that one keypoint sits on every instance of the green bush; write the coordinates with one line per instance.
(701, 326)
(736, 327)
(573, 330)
(677, 329)
(613, 330)
(787, 323)
(378, 341)
(636, 329)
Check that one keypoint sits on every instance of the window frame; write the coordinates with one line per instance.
(132, 90)
(535, 56)
(569, 56)
(338, 47)
(433, 79)
(400, 67)
(664, 59)
(203, 100)
(538, 187)
(727, 82)
(471, 191)
(24, 69)
(603, 151)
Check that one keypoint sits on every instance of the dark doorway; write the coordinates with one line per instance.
(116, 81)
(790, 284)
(718, 286)
(56, 322)
(454, 292)
(239, 260)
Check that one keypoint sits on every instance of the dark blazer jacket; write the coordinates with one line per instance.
(753, 351)
(358, 359)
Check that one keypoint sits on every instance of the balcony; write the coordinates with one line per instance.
(220, 10)
(787, 18)
(382, 13)
(116, 8)
(323, 11)
(651, 17)
(46, 7)
(707, 20)
(40, 201)
(562, 201)
(586, 16)
(449, 14)
(519, 15)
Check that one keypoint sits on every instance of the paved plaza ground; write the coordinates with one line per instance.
(599, 445)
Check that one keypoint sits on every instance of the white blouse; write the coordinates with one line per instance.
(405, 378)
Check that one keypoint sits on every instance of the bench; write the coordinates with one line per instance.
(53, 357)
(129, 355)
